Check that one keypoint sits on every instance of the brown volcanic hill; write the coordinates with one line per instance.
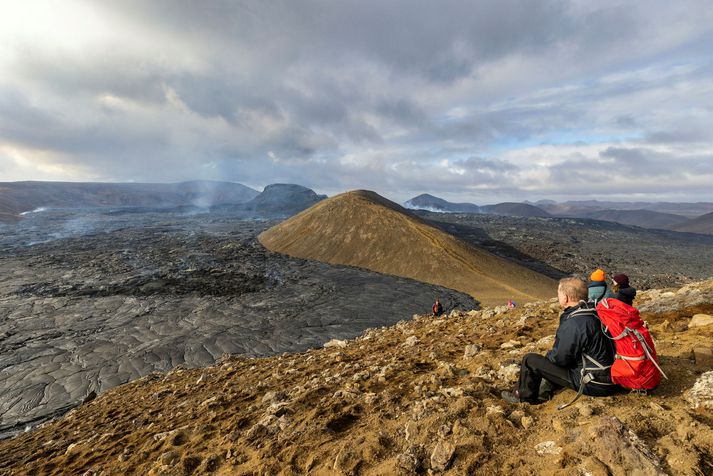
(420, 397)
(361, 228)
(702, 224)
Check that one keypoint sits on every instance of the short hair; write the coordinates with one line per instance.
(574, 288)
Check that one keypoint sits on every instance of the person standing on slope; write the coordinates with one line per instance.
(623, 292)
(437, 308)
(580, 358)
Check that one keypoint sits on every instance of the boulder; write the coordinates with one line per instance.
(442, 455)
(701, 320)
(703, 356)
(336, 343)
(701, 394)
(471, 350)
(548, 448)
(613, 444)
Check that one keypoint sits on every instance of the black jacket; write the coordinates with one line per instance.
(581, 333)
(626, 295)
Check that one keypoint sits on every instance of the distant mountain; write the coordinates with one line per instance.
(702, 224)
(514, 209)
(361, 228)
(281, 199)
(435, 204)
(687, 209)
(642, 218)
(19, 197)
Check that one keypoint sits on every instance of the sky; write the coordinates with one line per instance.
(472, 101)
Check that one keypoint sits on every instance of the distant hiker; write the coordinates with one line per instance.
(437, 308)
(597, 288)
(511, 304)
(580, 358)
(622, 291)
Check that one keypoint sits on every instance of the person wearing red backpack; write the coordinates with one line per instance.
(580, 358)
(636, 366)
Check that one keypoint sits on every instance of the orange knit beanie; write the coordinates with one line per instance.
(598, 275)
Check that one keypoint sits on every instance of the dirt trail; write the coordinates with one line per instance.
(419, 396)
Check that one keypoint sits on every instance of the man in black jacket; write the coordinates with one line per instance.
(580, 358)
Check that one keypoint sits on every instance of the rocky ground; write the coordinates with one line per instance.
(421, 396)
(93, 300)
(563, 246)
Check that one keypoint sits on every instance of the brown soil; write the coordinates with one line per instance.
(364, 229)
(404, 399)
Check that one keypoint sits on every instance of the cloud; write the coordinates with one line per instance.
(499, 99)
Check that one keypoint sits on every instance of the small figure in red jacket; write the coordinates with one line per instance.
(437, 308)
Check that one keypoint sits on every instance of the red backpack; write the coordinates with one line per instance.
(635, 365)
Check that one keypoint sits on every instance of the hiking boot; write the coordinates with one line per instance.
(511, 397)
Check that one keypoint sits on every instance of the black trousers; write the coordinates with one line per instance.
(536, 367)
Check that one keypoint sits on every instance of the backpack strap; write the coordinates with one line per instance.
(587, 377)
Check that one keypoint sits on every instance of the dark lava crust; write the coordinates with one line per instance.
(91, 301)
(559, 247)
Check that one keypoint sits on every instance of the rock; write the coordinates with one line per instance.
(703, 356)
(548, 448)
(509, 373)
(442, 455)
(700, 320)
(452, 392)
(471, 350)
(619, 448)
(347, 461)
(169, 458)
(667, 294)
(271, 397)
(511, 344)
(701, 394)
(210, 402)
(546, 342)
(336, 343)
(526, 422)
(256, 432)
(411, 430)
(410, 459)
(591, 466)
(494, 410)
(411, 341)
(586, 410)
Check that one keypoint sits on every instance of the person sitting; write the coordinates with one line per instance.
(580, 358)
(437, 308)
(597, 288)
(622, 291)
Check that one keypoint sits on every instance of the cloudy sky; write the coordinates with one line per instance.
(479, 101)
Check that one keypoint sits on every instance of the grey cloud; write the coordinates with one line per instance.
(487, 165)
(286, 91)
